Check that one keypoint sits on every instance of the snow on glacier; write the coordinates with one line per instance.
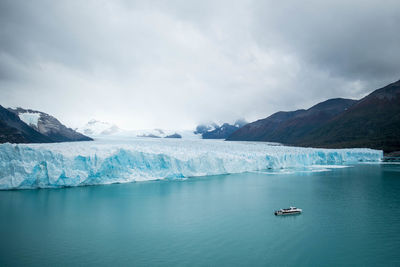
(141, 159)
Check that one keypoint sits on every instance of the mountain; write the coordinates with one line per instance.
(373, 121)
(288, 127)
(204, 128)
(214, 131)
(162, 133)
(149, 135)
(175, 135)
(95, 128)
(14, 130)
(48, 126)
(101, 129)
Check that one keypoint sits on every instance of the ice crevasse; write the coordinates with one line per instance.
(26, 166)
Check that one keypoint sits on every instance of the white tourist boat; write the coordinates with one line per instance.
(288, 211)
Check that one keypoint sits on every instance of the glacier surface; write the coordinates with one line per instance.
(26, 166)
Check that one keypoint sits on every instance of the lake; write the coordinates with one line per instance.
(351, 216)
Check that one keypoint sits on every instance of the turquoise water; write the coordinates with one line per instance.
(351, 217)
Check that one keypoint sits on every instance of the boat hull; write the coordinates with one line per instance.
(286, 213)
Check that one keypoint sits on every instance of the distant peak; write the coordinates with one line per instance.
(96, 127)
(93, 121)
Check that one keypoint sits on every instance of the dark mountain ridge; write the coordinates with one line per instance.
(288, 126)
(215, 131)
(52, 128)
(47, 130)
(373, 121)
(14, 130)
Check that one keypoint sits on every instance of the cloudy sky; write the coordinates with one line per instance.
(172, 64)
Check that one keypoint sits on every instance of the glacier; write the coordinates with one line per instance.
(29, 166)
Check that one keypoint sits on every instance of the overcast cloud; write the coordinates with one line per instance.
(173, 64)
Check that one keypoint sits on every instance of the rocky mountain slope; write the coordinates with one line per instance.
(215, 131)
(373, 121)
(14, 130)
(288, 127)
(49, 126)
(30, 126)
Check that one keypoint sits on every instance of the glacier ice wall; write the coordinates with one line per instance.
(26, 166)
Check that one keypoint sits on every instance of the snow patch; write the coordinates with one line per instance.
(30, 118)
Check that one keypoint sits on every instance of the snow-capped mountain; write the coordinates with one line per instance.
(215, 131)
(95, 128)
(14, 130)
(162, 133)
(103, 129)
(48, 125)
(206, 127)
